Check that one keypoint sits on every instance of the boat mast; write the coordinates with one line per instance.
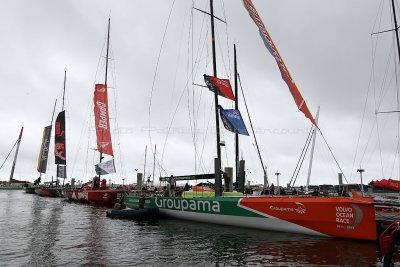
(105, 75)
(312, 150)
(16, 154)
(62, 109)
(396, 29)
(144, 167)
(65, 82)
(218, 178)
(154, 161)
(237, 108)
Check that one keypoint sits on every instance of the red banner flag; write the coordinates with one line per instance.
(222, 86)
(102, 120)
(301, 104)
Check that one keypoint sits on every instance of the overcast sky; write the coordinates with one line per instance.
(326, 45)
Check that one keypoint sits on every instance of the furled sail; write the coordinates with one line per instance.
(300, 102)
(222, 86)
(59, 139)
(233, 121)
(44, 150)
(102, 120)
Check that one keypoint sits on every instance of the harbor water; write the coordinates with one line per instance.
(36, 231)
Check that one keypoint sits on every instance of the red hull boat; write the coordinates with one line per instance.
(100, 196)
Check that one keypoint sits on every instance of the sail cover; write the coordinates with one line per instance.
(102, 119)
(222, 86)
(301, 104)
(59, 139)
(44, 150)
(233, 121)
(105, 167)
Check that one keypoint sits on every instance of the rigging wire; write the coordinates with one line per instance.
(193, 94)
(189, 76)
(178, 104)
(302, 160)
(252, 129)
(302, 154)
(382, 94)
(86, 125)
(371, 79)
(176, 110)
(156, 72)
(9, 153)
(333, 155)
(160, 162)
(227, 36)
(376, 143)
(116, 122)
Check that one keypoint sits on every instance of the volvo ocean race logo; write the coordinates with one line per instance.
(348, 216)
(188, 205)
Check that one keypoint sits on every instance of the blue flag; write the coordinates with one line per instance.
(233, 121)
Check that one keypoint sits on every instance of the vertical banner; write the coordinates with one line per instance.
(62, 171)
(59, 139)
(269, 44)
(102, 119)
(44, 150)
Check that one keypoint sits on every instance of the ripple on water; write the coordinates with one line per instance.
(46, 231)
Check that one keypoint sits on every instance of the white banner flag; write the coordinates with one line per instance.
(105, 167)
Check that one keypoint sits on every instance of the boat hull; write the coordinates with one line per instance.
(30, 190)
(334, 216)
(48, 192)
(99, 197)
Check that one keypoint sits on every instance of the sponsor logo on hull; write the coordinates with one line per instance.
(210, 206)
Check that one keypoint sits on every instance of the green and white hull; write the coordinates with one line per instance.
(341, 217)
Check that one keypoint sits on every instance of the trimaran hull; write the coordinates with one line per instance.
(323, 216)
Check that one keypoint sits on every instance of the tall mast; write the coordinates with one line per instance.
(312, 150)
(54, 110)
(236, 107)
(108, 47)
(16, 155)
(154, 161)
(65, 82)
(396, 29)
(106, 73)
(62, 109)
(215, 92)
(144, 167)
(398, 54)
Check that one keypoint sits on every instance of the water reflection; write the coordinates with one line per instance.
(94, 241)
(44, 231)
(222, 245)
